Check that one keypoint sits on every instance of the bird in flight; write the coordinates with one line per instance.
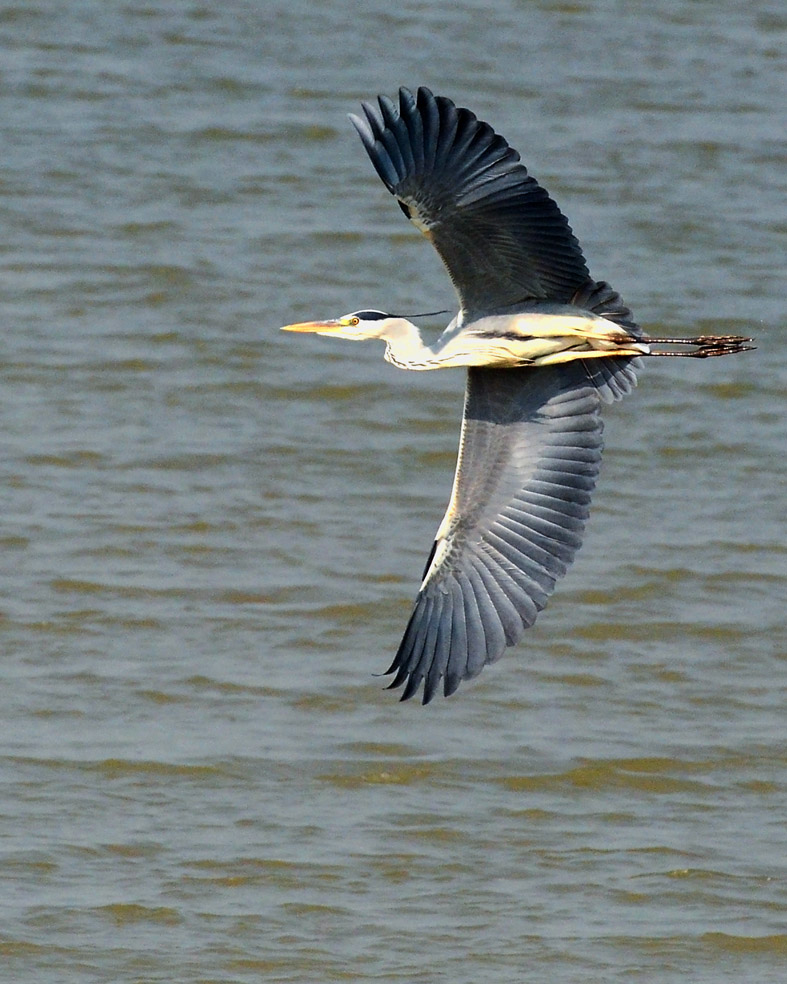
(544, 346)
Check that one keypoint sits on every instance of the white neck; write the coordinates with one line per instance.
(404, 346)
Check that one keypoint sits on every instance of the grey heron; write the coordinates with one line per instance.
(544, 346)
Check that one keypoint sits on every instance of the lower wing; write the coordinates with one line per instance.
(529, 457)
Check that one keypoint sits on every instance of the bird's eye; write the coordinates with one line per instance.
(355, 321)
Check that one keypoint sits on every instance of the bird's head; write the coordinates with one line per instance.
(357, 326)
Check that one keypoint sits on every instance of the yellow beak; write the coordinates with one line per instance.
(323, 327)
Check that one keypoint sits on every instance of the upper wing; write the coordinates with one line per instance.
(529, 458)
(498, 232)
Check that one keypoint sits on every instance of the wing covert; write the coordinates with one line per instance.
(502, 238)
(529, 457)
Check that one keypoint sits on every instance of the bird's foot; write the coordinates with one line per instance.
(704, 346)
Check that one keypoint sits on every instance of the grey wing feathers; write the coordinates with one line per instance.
(500, 235)
(529, 459)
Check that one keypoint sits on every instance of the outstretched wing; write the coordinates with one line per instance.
(502, 238)
(529, 457)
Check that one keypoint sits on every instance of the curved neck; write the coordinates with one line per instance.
(404, 346)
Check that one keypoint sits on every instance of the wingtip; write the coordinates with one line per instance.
(406, 98)
(362, 128)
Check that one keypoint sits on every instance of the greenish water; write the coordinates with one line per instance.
(213, 533)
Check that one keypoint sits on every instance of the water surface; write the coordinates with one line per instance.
(213, 533)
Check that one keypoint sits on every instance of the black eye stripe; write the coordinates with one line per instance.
(369, 315)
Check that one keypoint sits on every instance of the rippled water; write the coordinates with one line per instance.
(212, 533)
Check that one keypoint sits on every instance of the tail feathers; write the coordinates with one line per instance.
(613, 378)
(601, 299)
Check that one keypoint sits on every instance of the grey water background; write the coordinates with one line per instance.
(212, 533)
